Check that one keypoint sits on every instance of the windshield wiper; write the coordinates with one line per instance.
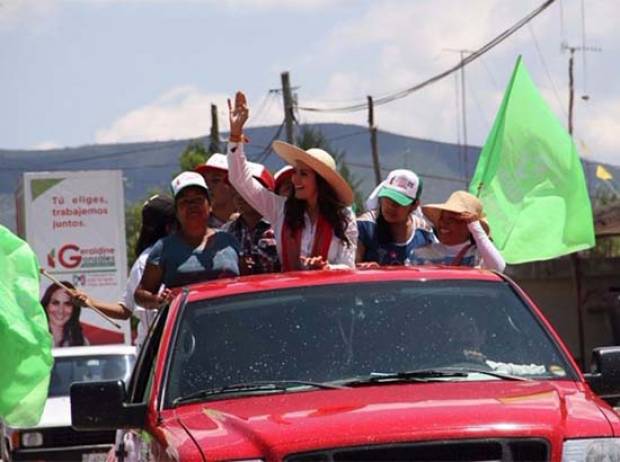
(426, 375)
(252, 387)
(492, 373)
(422, 375)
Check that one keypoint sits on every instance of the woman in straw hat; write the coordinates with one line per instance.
(463, 235)
(393, 227)
(314, 225)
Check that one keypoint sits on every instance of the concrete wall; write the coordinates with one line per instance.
(552, 286)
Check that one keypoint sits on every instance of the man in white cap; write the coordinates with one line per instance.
(391, 231)
(215, 173)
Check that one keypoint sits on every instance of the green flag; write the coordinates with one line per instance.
(530, 179)
(25, 341)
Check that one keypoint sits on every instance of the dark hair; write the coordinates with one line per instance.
(72, 331)
(384, 232)
(158, 215)
(330, 207)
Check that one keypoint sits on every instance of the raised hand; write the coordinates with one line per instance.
(238, 116)
(468, 217)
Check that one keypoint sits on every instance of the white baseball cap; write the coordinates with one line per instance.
(402, 186)
(186, 179)
(216, 161)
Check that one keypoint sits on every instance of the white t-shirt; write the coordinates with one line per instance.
(145, 316)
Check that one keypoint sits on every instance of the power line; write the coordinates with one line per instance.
(465, 61)
(147, 148)
(348, 135)
(262, 156)
(544, 64)
(265, 103)
(423, 175)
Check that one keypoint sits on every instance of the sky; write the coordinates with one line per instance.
(80, 72)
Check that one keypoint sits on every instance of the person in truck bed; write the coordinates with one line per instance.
(314, 226)
(462, 233)
(391, 231)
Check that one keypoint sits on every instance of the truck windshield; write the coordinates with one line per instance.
(335, 333)
(69, 369)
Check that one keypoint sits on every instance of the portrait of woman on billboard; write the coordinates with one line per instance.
(63, 316)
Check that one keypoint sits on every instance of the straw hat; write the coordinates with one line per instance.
(458, 202)
(321, 162)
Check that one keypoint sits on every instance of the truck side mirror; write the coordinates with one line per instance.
(604, 378)
(101, 406)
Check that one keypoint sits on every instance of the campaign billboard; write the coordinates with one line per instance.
(74, 222)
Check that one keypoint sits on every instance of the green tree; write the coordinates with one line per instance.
(311, 137)
(193, 155)
(133, 222)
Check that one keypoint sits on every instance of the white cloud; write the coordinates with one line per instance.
(598, 127)
(276, 4)
(15, 13)
(46, 145)
(244, 5)
(182, 112)
(408, 55)
(406, 50)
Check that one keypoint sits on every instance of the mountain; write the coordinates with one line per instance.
(151, 165)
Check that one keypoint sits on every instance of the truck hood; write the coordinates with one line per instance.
(303, 421)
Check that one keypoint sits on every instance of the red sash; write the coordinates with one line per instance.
(291, 244)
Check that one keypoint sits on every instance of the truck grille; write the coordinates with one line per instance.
(66, 436)
(514, 450)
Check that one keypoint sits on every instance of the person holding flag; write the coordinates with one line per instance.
(25, 375)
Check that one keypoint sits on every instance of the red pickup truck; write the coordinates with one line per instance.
(389, 364)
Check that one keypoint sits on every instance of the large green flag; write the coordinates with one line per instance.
(25, 342)
(530, 179)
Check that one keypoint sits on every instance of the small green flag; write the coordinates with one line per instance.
(530, 179)
(25, 341)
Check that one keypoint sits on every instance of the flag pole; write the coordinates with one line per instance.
(72, 292)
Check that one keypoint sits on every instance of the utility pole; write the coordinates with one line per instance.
(571, 80)
(373, 140)
(577, 272)
(214, 138)
(287, 98)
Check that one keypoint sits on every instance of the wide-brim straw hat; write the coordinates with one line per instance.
(458, 202)
(321, 162)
